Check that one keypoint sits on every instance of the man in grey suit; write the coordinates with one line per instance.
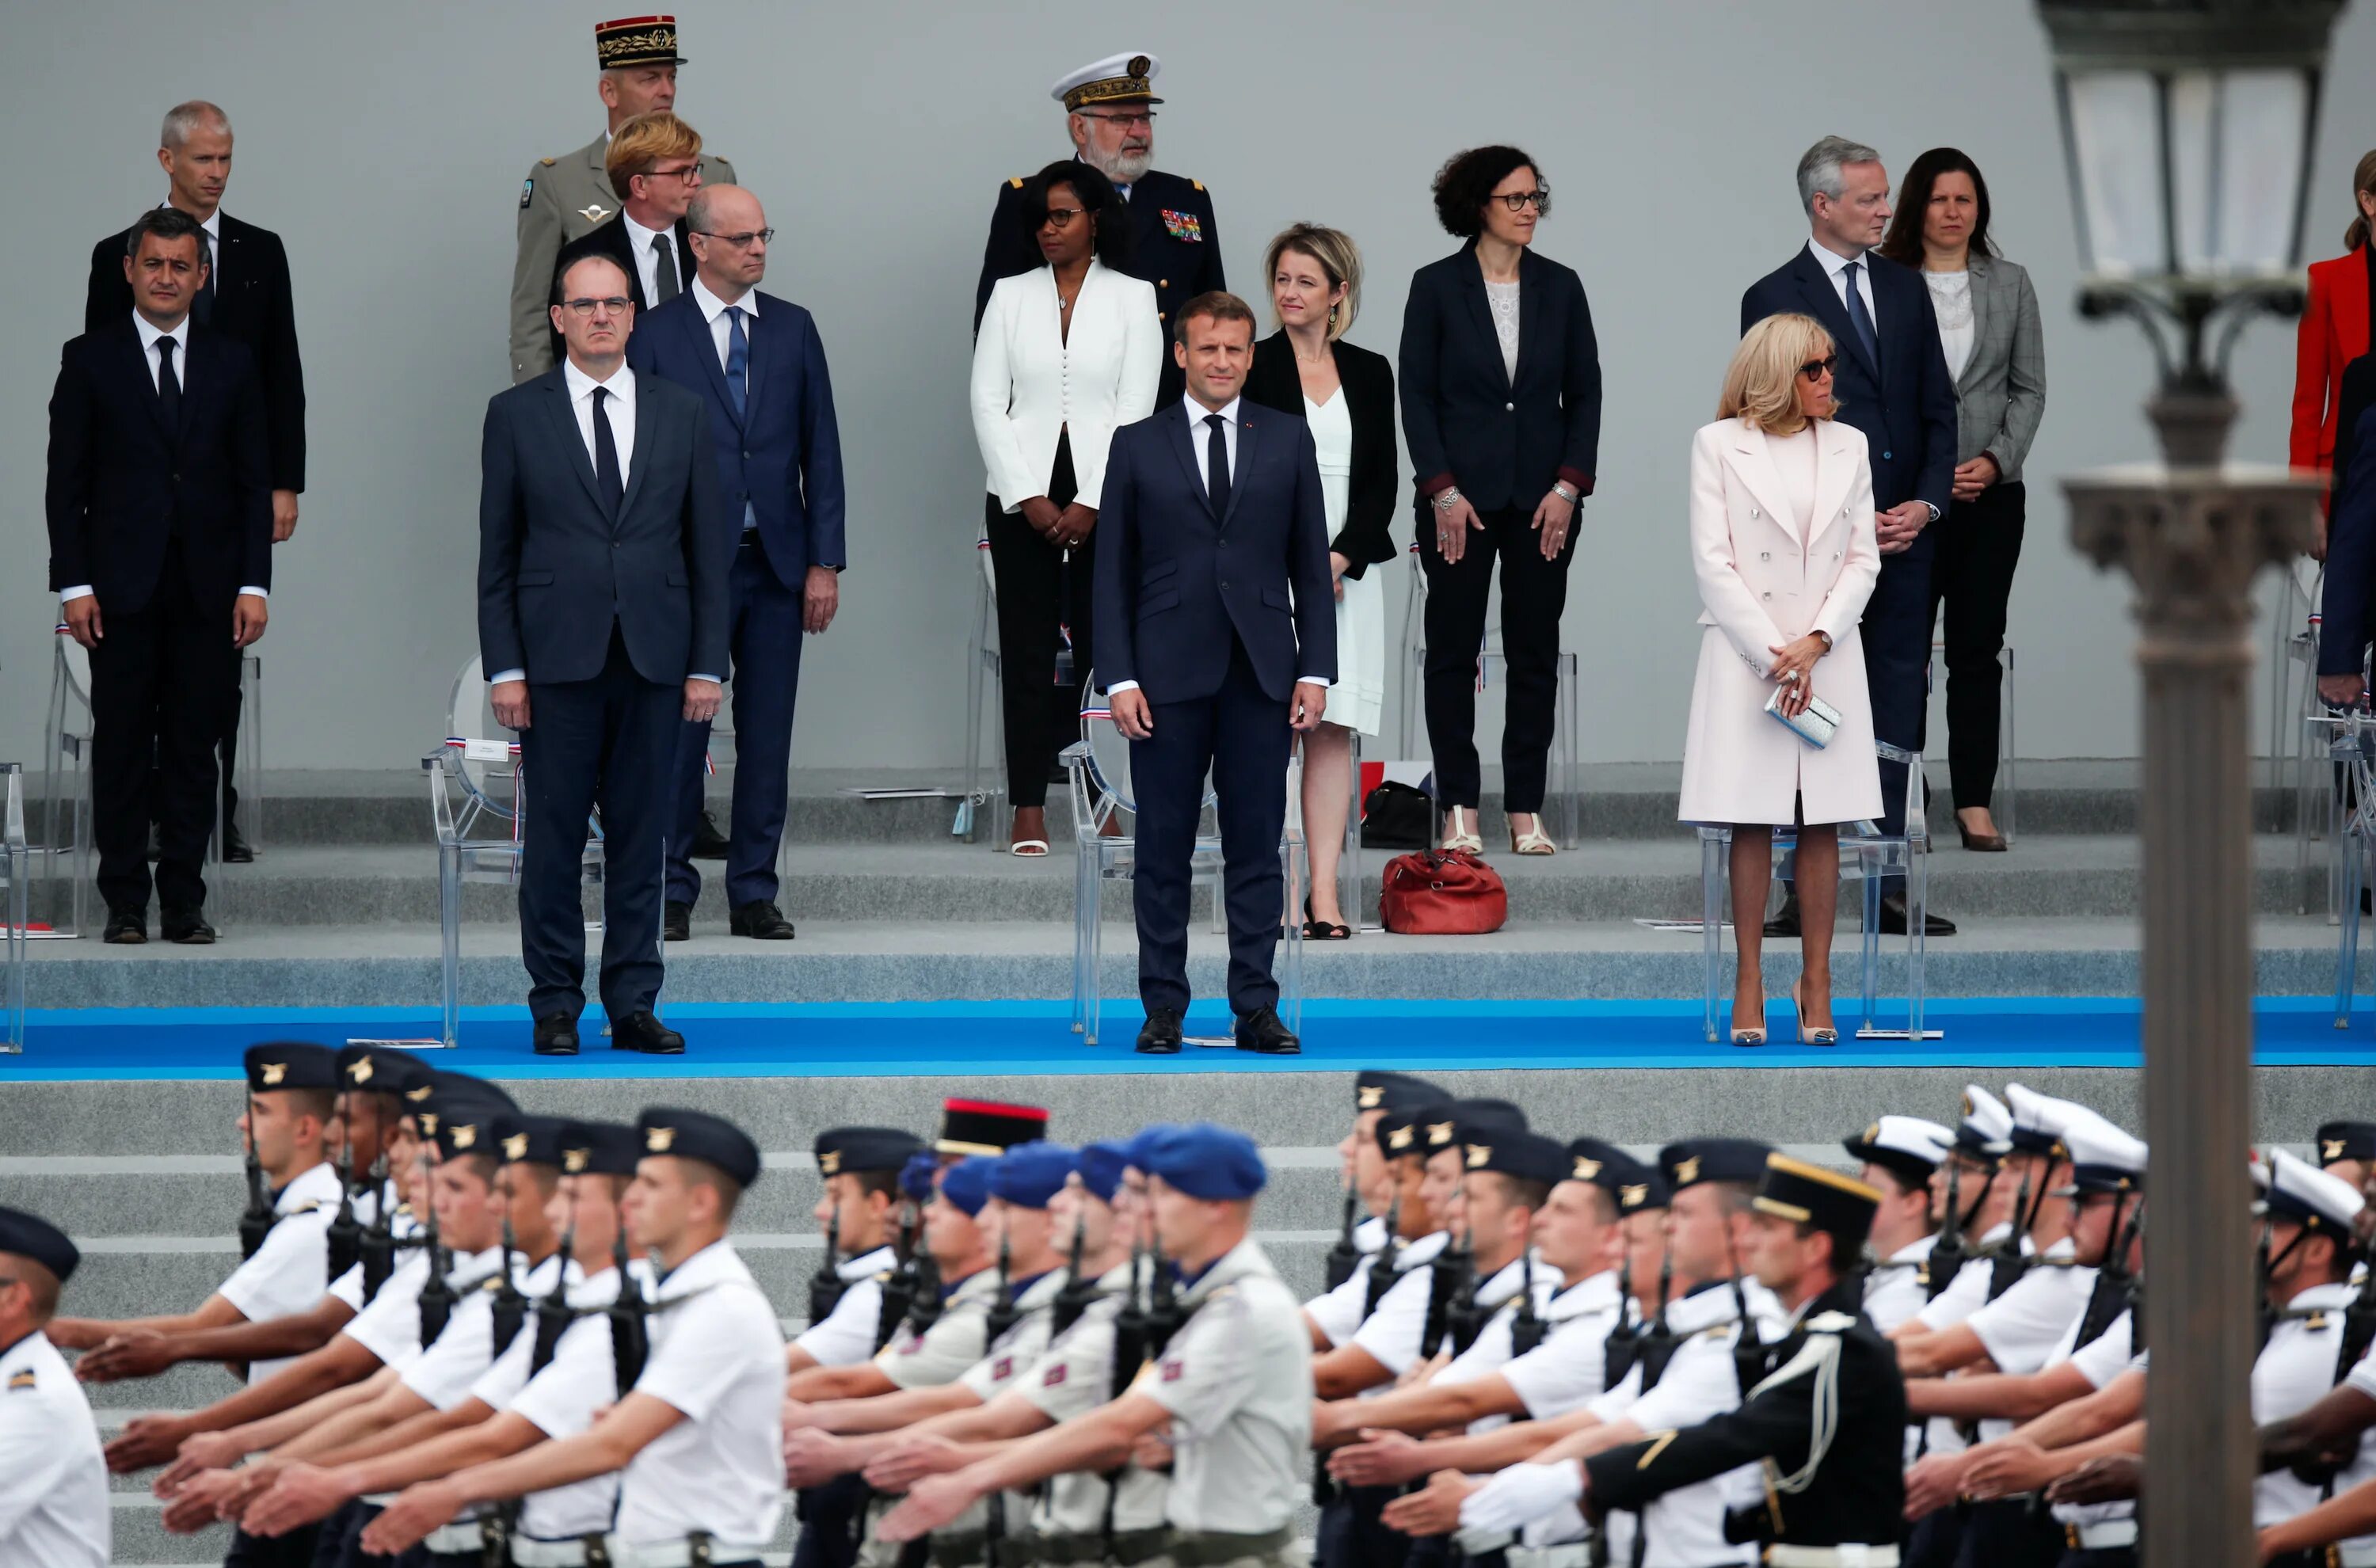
(603, 553)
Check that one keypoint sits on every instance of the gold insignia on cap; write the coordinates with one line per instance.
(420, 1094)
(1872, 1135)
(1399, 1139)
(1477, 1155)
(829, 1162)
(463, 1136)
(573, 1160)
(360, 1069)
(1633, 1197)
(515, 1147)
(2329, 1150)
(1587, 1169)
(272, 1073)
(428, 1120)
(1969, 1106)
(1438, 1133)
(1368, 1096)
(658, 1139)
(1687, 1171)
(1138, 64)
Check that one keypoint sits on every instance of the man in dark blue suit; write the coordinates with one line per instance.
(759, 366)
(602, 566)
(1893, 384)
(1216, 636)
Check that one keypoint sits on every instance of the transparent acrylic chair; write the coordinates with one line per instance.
(1866, 854)
(2006, 806)
(984, 669)
(1567, 772)
(2347, 745)
(15, 885)
(1098, 766)
(474, 783)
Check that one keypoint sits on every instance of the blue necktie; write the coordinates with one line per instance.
(738, 359)
(1861, 318)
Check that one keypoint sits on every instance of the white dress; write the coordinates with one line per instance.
(1358, 700)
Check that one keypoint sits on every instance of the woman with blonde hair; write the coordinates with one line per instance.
(1783, 545)
(1347, 395)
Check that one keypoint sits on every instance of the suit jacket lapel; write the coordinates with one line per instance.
(1823, 302)
(564, 426)
(1184, 447)
(1530, 298)
(1979, 269)
(648, 446)
(697, 333)
(1481, 309)
(1247, 438)
(762, 346)
(136, 358)
(1754, 463)
(1834, 474)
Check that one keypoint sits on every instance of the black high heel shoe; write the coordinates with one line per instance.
(1323, 931)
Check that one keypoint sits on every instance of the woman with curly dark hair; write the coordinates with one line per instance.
(1502, 411)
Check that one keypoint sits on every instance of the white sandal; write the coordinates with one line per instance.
(1460, 831)
(1533, 841)
(1028, 849)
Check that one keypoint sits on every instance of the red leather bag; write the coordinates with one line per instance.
(1442, 893)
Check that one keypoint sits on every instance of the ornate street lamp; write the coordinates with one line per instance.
(2189, 127)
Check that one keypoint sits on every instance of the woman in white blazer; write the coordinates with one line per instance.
(1783, 545)
(1067, 353)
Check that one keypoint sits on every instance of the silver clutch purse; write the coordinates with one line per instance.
(1816, 725)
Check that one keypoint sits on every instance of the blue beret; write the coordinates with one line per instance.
(1139, 1148)
(530, 1140)
(1100, 1165)
(379, 1069)
(967, 1184)
(696, 1135)
(916, 1176)
(1206, 1161)
(600, 1149)
(30, 1236)
(290, 1065)
(849, 1149)
(1029, 1174)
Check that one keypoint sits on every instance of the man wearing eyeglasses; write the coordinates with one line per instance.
(567, 197)
(602, 621)
(655, 167)
(1110, 113)
(758, 365)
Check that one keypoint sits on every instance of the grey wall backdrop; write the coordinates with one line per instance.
(385, 143)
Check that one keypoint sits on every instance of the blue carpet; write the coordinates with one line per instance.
(994, 1039)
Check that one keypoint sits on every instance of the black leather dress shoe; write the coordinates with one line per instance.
(676, 921)
(1159, 1036)
(1785, 919)
(1893, 919)
(126, 928)
(761, 920)
(708, 844)
(1265, 1032)
(188, 926)
(556, 1036)
(237, 851)
(641, 1031)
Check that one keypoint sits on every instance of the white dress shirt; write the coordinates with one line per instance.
(648, 269)
(1835, 267)
(53, 1503)
(713, 311)
(845, 1336)
(150, 337)
(291, 1270)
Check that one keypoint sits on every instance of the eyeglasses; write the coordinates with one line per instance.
(1143, 117)
(1540, 200)
(615, 304)
(1060, 218)
(740, 242)
(690, 173)
(1815, 370)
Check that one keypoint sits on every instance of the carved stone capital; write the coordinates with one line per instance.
(2192, 539)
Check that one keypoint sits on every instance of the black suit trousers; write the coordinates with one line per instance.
(158, 680)
(609, 742)
(1534, 596)
(1978, 548)
(1240, 736)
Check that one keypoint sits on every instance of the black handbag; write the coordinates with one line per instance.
(1397, 816)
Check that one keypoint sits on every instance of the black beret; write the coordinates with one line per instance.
(290, 1065)
(1459, 1121)
(530, 1140)
(1603, 1165)
(696, 1135)
(600, 1149)
(1645, 1187)
(2347, 1140)
(988, 1127)
(841, 1151)
(470, 1125)
(379, 1069)
(30, 1236)
(460, 1097)
(1378, 1090)
(1530, 1156)
(1808, 1194)
(1694, 1160)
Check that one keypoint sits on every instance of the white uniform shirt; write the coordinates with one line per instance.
(1073, 1377)
(2021, 1329)
(291, 1270)
(444, 1372)
(1490, 1352)
(1392, 1333)
(1337, 1312)
(1896, 1289)
(958, 1338)
(390, 1327)
(1968, 1291)
(1237, 1379)
(718, 1357)
(1567, 1370)
(2295, 1371)
(54, 1509)
(846, 1336)
(560, 1401)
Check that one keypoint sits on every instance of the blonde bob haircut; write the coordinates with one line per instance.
(1761, 386)
(642, 142)
(1340, 262)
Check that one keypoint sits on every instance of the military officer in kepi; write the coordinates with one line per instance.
(564, 198)
(1110, 113)
(1827, 1421)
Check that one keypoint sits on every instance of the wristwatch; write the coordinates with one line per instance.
(1827, 637)
(1934, 511)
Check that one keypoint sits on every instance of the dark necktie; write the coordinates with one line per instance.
(606, 455)
(664, 280)
(1217, 465)
(168, 386)
(737, 360)
(1861, 318)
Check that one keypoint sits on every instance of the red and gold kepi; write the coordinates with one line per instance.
(636, 40)
(988, 1127)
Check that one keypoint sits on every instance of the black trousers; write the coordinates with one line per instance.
(294, 1550)
(1932, 1540)
(2009, 1535)
(2105, 1557)
(1534, 593)
(828, 1516)
(1240, 734)
(1979, 547)
(1352, 1535)
(157, 683)
(610, 741)
(1042, 597)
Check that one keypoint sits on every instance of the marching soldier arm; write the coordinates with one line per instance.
(2340, 1518)
(1933, 1355)
(888, 1411)
(499, 1436)
(624, 1431)
(88, 1334)
(2338, 1415)
(2108, 1409)
(1783, 1421)
(146, 1353)
(2012, 1397)
(330, 1441)
(1430, 1407)
(864, 1381)
(422, 1422)
(1345, 1371)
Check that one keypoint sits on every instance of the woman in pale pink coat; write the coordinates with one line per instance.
(1782, 542)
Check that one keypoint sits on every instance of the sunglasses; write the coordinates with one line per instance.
(1815, 370)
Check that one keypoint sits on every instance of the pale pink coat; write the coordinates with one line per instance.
(1768, 578)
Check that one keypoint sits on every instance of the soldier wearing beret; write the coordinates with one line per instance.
(54, 1501)
(1109, 114)
(566, 198)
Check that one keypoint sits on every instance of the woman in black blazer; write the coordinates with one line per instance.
(1502, 409)
(1347, 395)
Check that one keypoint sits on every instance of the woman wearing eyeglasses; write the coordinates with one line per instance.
(1784, 548)
(1067, 352)
(1501, 385)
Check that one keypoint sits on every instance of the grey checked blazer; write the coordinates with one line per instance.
(2001, 397)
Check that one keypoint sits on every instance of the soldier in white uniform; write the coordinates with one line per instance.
(1898, 1156)
(2318, 1344)
(1233, 1385)
(1372, 1183)
(566, 197)
(54, 1501)
(699, 1435)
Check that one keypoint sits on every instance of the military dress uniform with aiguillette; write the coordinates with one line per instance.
(567, 198)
